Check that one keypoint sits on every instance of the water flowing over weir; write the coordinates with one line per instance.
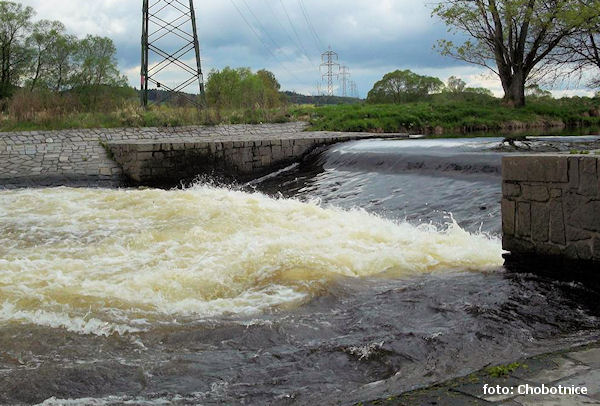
(354, 283)
(141, 256)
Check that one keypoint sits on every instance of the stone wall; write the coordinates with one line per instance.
(79, 157)
(551, 206)
(171, 162)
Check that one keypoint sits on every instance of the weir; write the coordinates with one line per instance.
(551, 208)
(168, 161)
(152, 156)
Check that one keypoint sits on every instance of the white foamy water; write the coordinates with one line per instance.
(101, 262)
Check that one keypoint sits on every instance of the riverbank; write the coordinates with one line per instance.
(436, 116)
(450, 117)
(578, 367)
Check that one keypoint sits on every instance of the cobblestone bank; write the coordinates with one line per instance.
(551, 205)
(77, 156)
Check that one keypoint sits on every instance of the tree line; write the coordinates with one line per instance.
(405, 86)
(42, 55)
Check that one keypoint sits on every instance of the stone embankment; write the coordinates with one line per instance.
(551, 206)
(154, 155)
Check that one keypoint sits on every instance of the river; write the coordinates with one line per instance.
(370, 268)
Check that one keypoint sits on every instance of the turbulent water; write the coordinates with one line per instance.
(371, 268)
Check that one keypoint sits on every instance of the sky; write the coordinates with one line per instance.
(371, 37)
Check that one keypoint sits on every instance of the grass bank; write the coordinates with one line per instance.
(442, 116)
(132, 115)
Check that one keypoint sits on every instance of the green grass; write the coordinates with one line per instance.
(448, 116)
(438, 115)
(502, 371)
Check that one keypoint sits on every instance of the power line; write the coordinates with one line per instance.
(260, 25)
(295, 31)
(311, 27)
(292, 40)
(262, 41)
(276, 18)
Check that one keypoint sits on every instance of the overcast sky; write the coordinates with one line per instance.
(372, 37)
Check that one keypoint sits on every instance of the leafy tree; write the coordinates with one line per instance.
(269, 79)
(241, 88)
(516, 39)
(456, 85)
(535, 91)
(15, 22)
(43, 43)
(61, 62)
(96, 63)
(403, 86)
(479, 90)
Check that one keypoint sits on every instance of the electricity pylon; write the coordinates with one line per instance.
(330, 61)
(169, 35)
(353, 89)
(345, 74)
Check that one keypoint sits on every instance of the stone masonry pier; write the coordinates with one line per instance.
(551, 206)
(112, 157)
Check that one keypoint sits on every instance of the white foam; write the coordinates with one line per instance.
(115, 261)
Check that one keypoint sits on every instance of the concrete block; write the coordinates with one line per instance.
(583, 248)
(540, 222)
(535, 193)
(511, 189)
(573, 163)
(586, 216)
(577, 234)
(508, 217)
(596, 247)
(523, 219)
(557, 223)
(532, 168)
(588, 177)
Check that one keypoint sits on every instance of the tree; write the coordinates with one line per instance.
(96, 63)
(456, 85)
(61, 62)
(403, 86)
(43, 43)
(241, 88)
(15, 21)
(513, 38)
(584, 50)
(479, 90)
(535, 91)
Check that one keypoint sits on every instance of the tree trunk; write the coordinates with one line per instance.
(514, 89)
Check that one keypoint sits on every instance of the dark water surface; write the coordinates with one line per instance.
(356, 338)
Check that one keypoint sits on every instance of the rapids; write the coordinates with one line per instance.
(98, 261)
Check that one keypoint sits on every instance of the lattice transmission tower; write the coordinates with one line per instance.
(345, 75)
(170, 50)
(330, 61)
(353, 89)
